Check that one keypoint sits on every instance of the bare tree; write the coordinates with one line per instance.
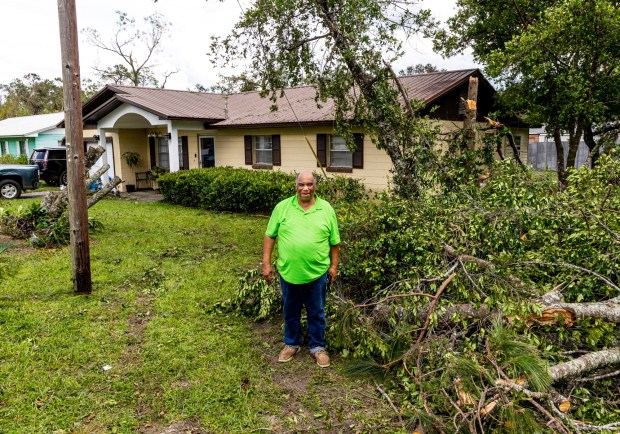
(137, 48)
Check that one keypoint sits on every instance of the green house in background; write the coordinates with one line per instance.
(19, 136)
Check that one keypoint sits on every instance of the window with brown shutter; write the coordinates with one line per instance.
(337, 154)
(263, 152)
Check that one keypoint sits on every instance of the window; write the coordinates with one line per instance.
(162, 153)
(262, 151)
(333, 153)
(518, 143)
(4, 149)
(339, 153)
(23, 147)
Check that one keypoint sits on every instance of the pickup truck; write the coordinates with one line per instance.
(15, 178)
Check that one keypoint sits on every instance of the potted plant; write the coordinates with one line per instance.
(131, 159)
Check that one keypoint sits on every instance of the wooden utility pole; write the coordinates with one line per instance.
(76, 191)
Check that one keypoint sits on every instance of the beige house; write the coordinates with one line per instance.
(179, 130)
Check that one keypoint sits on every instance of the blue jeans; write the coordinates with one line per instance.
(310, 295)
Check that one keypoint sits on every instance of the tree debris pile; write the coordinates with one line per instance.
(484, 309)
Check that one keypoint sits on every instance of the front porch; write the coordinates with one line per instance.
(138, 133)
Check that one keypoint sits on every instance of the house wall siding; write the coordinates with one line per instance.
(48, 140)
(297, 156)
(295, 153)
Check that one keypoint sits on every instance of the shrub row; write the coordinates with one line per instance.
(243, 190)
(12, 159)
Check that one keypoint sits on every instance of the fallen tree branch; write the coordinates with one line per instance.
(580, 426)
(103, 191)
(598, 377)
(584, 363)
(92, 155)
(576, 267)
(386, 396)
(598, 310)
(451, 251)
(411, 350)
(95, 176)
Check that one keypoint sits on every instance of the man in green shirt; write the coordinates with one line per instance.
(308, 250)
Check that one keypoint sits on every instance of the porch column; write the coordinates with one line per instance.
(173, 149)
(108, 156)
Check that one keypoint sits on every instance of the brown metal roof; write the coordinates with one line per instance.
(173, 104)
(249, 109)
(429, 87)
(298, 105)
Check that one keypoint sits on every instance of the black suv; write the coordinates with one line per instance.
(52, 164)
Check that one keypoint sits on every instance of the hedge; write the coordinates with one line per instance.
(243, 190)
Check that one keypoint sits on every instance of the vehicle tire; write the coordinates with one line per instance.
(62, 180)
(10, 189)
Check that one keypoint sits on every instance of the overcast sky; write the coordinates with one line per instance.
(30, 42)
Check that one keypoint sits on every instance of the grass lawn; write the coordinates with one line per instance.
(143, 353)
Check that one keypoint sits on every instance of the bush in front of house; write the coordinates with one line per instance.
(12, 159)
(243, 190)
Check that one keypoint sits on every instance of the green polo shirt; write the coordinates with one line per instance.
(304, 238)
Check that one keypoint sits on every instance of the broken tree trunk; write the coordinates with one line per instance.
(605, 310)
(471, 112)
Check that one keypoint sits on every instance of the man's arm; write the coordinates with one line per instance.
(268, 244)
(334, 254)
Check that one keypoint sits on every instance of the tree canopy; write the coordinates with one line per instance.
(33, 95)
(557, 60)
(30, 95)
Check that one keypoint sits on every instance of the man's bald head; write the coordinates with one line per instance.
(305, 175)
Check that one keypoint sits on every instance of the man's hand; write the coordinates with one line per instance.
(268, 272)
(332, 274)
